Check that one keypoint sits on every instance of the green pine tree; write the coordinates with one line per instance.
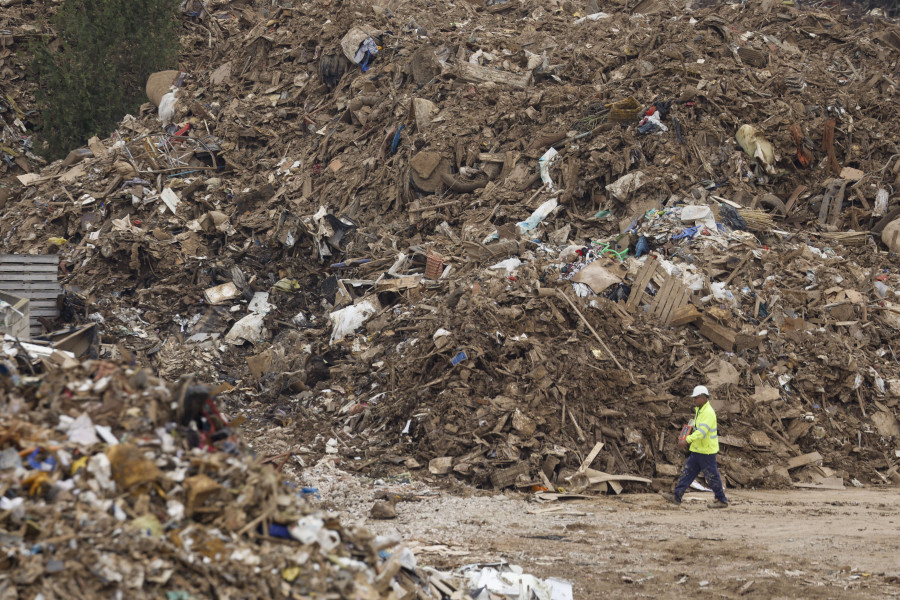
(95, 71)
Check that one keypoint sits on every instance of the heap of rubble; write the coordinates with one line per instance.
(487, 239)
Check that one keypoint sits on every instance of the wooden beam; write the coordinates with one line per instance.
(503, 478)
(740, 266)
(803, 460)
(478, 74)
(601, 477)
(721, 336)
(684, 315)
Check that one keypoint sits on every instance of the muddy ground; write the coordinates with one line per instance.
(783, 544)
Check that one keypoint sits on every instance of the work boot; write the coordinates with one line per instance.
(670, 497)
(717, 504)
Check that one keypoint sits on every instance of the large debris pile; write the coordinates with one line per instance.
(116, 482)
(435, 229)
(106, 489)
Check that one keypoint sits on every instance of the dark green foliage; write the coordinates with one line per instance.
(96, 71)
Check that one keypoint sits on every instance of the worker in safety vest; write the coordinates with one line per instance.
(704, 443)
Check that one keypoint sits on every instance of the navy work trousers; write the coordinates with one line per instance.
(697, 462)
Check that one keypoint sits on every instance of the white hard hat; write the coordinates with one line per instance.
(700, 390)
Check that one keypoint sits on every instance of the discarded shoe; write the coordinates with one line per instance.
(717, 504)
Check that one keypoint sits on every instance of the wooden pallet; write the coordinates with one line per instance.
(32, 276)
(672, 295)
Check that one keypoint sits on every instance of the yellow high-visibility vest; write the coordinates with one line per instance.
(705, 437)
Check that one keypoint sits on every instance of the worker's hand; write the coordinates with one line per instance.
(682, 443)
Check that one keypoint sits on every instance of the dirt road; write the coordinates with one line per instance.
(782, 544)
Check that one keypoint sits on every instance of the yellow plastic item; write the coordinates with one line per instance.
(79, 464)
(58, 241)
(36, 481)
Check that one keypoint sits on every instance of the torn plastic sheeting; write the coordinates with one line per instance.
(752, 141)
(699, 487)
(537, 216)
(259, 304)
(624, 185)
(544, 167)
(509, 265)
(249, 329)
(167, 108)
(592, 17)
(699, 214)
(311, 529)
(349, 319)
(512, 583)
(81, 431)
(720, 293)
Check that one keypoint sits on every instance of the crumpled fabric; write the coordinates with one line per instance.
(367, 49)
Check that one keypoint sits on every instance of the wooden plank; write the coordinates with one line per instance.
(683, 315)
(836, 203)
(676, 298)
(721, 336)
(664, 299)
(739, 267)
(36, 268)
(24, 277)
(45, 309)
(478, 74)
(662, 296)
(677, 302)
(640, 283)
(29, 270)
(600, 477)
(503, 478)
(29, 285)
(803, 460)
(45, 301)
(30, 258)
(590, 458)
(46, 286)
(827, 483)
(683, 301)
(744, 341)
(615, 486)
(667, 470)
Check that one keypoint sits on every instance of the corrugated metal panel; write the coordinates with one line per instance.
(32, 276)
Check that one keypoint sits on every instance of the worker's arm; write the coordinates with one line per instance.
(696, 435)
(702, 426)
